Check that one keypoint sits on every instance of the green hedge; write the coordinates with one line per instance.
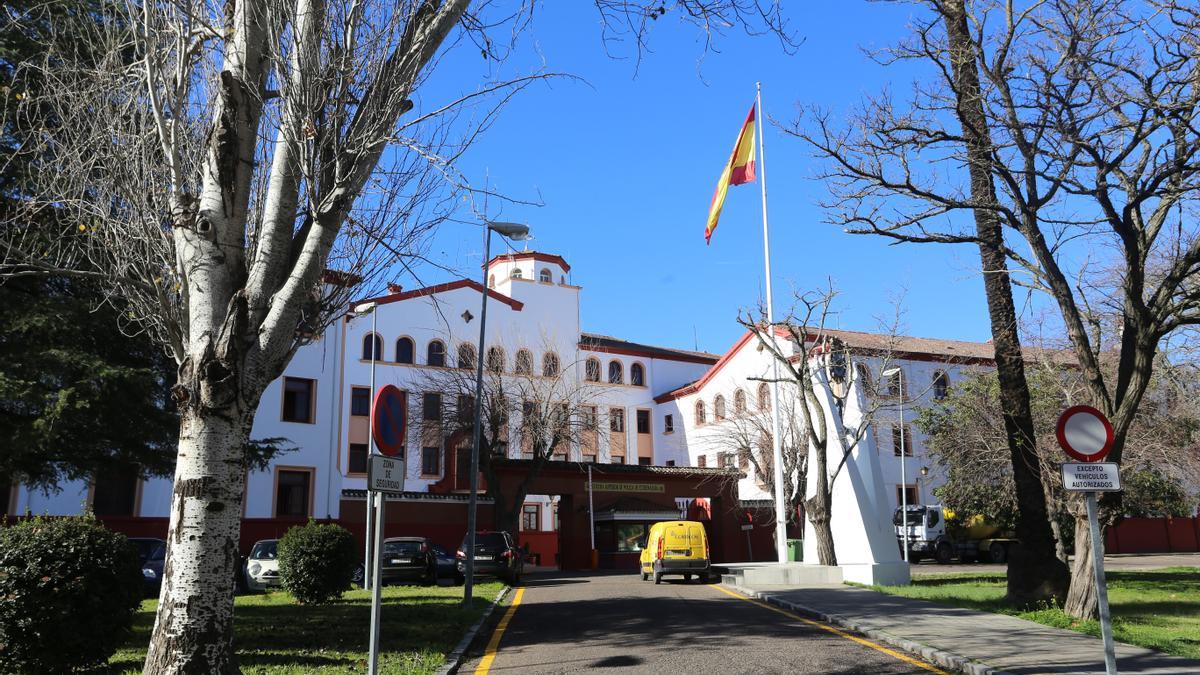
(316, 562)
(69, 590)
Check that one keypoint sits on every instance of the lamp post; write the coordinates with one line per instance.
(362, 310)
(921, 483)
(513, 232)
(899, 373)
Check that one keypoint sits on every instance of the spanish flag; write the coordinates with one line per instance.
(740, 169)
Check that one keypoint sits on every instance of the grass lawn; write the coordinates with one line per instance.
(1159, 609)
(421, 624)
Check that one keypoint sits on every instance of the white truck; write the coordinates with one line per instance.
(934, 532)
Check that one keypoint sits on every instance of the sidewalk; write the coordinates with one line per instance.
(965, 640)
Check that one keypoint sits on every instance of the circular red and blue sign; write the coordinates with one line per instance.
(389, 420)
(1084, 433)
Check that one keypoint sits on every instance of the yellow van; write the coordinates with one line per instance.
(675, 547)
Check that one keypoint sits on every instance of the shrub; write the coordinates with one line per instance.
(316, 561)
(68, 592)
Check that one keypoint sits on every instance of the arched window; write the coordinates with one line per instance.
(515, 274)
(550, 365)
(491, 281)
(545, 277)
(591, 370)
(466, 355)
(894, 384)
(495, 359)
(637, 375)
(435, 353)
(864, 378)
(699, 413)
(524, 362)
(616, 372)
(718, 408)
(764, 397)
(739, 402)
(404, 350)
(941, 384)
(372, 347)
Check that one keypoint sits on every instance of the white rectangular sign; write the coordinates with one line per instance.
(385, 474)
(1092, 477)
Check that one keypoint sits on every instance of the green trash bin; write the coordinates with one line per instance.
(795, 550)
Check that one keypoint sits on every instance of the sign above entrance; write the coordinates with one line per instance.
(385, 474)
(1092, 477)
(657, 488)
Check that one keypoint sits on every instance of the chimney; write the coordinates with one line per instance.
(395, 288)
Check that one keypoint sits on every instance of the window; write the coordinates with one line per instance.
(718, 408)
(293, 488)
(643, 421)
(616, 373)
(908, 494)
(588, 414)
(516, 273)
(941, 384)
(670, 462)
(894, 383)
(631, 537)
(864, 379)
(668, 424)
(617, 459)
(298, 399)
(431, 460)
(358, 458)
(901, 439)
(637, 375)
(589, 458)
(739, 402)
(523, 364)
(495, 359)
(700, 413)
(550, 365)
(531, 516)
(764, 397)
(744, 459)
(464, 407)
(404, 350)
(431, 407)
(616, 420)
(466, 355)
(725, 460)
(644, 461)
(702, 461)
(114, 491)
(435, 354)
(545, 276)
(591, 370)
(372, 347)
(360, 401)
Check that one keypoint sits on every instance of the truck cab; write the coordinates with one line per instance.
(934, 533)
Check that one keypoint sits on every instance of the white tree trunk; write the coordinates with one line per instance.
(194, 626)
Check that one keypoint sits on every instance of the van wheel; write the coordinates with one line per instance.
(645, 576)
(687, 577)
(658, 577)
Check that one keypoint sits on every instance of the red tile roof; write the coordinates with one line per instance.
(610, 345)
(532, 255)
(442, 288)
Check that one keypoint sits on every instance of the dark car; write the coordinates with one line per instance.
(405, 559)
(495, 555)
(447, 564)
(152, 553)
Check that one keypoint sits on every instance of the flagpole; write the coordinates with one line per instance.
(776, 447)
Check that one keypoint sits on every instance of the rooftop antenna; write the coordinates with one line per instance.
(695, 338)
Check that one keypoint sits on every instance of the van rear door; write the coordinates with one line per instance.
(680, 540)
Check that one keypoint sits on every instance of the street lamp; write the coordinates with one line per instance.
(512, 232)
(921, 483)
(899, 373)
(363, 310)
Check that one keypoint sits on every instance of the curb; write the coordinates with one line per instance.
(956, 662)
(455, 658)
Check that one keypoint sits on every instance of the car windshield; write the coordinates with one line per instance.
(264, 550)
(490, 539)
(914, 516)
(438, 550)
(401, 547)
(150, 549)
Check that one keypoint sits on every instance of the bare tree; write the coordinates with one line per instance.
(823, 372)
(537, 409)
(1077, 130)
(747, 434)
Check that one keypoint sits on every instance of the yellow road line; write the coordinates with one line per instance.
(493, 645)
(841, 633)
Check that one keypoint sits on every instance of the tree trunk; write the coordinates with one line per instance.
(1034, 571)
(193, 631)
(1081, 600)
(817, 509)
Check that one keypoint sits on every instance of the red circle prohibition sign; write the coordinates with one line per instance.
(389, 419)
(1084, 433)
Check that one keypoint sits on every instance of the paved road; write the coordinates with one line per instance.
(1121, 561)
(572, 622)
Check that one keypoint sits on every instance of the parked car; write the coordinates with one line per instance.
(675, 547)
(447, 564)
(262, 567)
(410, 559)
(152, 554)
(495, 555)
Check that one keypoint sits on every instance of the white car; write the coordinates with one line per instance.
(262, 567)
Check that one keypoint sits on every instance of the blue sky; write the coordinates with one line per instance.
(625, 164)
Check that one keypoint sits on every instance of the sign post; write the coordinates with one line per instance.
(385, 475)
(1086, 435)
